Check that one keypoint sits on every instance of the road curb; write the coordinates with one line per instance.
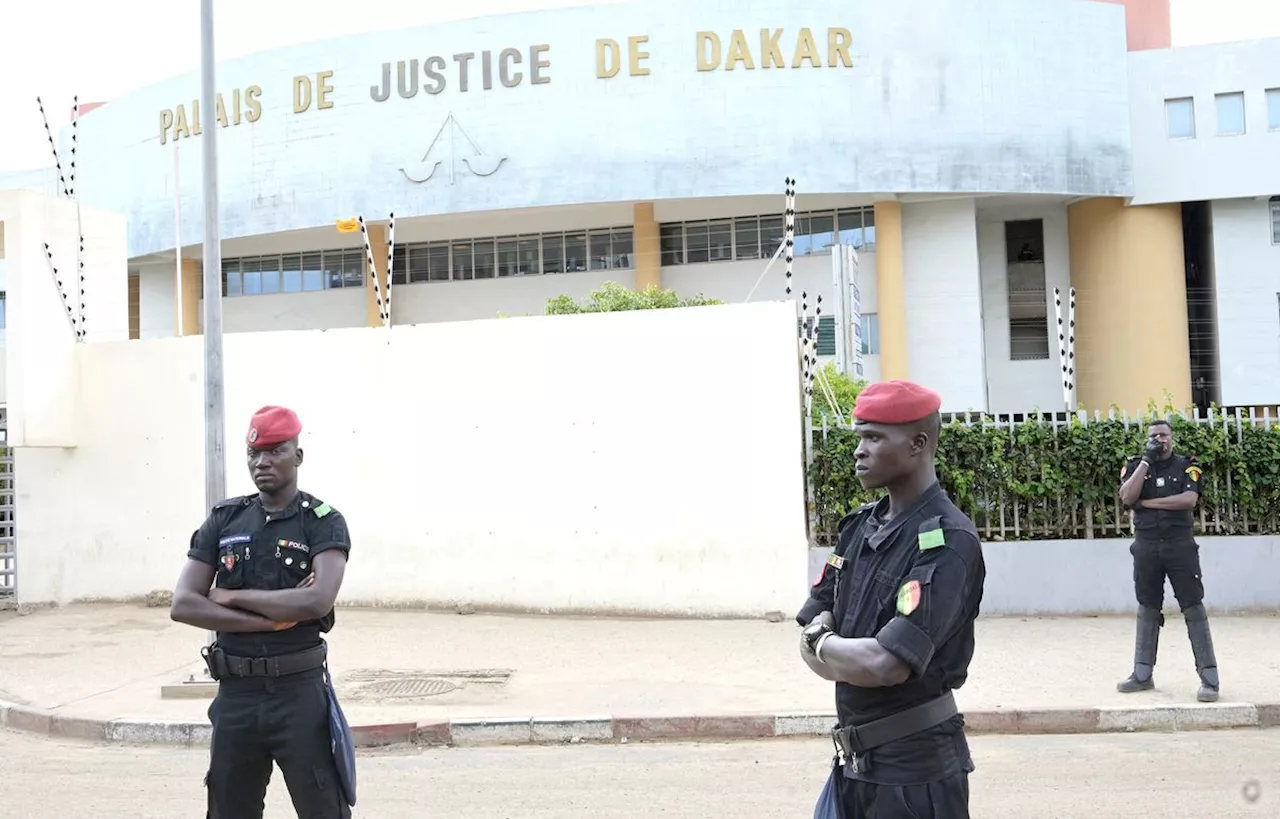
(620, 729)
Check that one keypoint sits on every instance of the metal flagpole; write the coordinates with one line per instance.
(215, 477)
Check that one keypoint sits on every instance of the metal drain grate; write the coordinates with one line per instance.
(406, 687)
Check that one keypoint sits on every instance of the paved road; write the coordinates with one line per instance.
(1100, 777)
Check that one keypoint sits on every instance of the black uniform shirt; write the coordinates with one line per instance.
(256, 550)
(1171, 476)
(914, 584)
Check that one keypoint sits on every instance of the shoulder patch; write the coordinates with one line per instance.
(909, 596)
(323, 509)
(1195, 472)
(930, 534)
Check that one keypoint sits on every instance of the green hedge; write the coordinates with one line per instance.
(1041, 480)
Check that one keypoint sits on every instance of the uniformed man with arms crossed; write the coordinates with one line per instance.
(1162, 488)
(890, 621)
(275, 561)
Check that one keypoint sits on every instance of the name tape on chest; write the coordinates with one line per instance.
(232, 540)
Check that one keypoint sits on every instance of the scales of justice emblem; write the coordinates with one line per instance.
(478, 162)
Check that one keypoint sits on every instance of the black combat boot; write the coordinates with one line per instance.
(1144, 652)
(1202, 649)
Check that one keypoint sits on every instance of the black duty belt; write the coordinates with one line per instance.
(223, 665)
(853, 742)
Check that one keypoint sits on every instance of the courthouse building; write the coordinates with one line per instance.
(977, 154)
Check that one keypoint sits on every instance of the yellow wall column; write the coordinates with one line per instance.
(186, 318)
(378, 242)
(891, 293)
(648, 250)
(1131, 304)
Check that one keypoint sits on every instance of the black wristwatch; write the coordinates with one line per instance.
(812, 632)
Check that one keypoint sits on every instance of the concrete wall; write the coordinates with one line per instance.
(939, 96)
(1247, 284)
(1207, 166)
(944, 302)
(40, 344)
(1020, 386)
(1075, 577)
(509, 463)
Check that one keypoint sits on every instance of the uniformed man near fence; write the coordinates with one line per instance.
(275, 561)
(891, 621)
(1162, 488)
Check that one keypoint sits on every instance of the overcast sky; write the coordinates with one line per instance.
(108, 49)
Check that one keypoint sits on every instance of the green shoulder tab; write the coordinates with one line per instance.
(323, 509)
(930, 534)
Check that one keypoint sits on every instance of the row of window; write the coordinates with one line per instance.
(451, 260)
(1275, 220)
(708, 240)
(758, 237)
(1180, 114)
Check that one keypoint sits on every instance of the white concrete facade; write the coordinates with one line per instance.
(972, 119)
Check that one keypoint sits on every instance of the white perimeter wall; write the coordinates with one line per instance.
(1021, 386)
(1247, 279)
(944, 302)
(578, 463)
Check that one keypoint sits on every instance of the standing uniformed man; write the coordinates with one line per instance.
(890, 621)
(1162, 488)
(275, 561)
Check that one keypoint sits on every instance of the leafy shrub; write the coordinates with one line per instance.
(612, 297)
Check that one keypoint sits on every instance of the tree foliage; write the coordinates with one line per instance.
(612, 297)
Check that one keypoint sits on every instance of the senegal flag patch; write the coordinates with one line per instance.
(1195, 472)
(909, 597)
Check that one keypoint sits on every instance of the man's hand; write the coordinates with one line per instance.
(1153, 451)
(222, 597)
(227, 599)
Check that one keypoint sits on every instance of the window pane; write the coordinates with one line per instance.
(803, 239)
(849, 224)
(1273, 109)
(1275, 221)
(291, 273)
(331, 262)
(463, 264)
(1180, 116)
(312, 271)
(1230, 113)
(870, 334)
(553, 253)
(529, 263)
(599, 249)
(869, 228)
(438, 262)
(770, 235)
(252, 268)
(697, 242)
(353, 262)
(822, 234)
(508, 256)
(746, 237)
(484, 258)
(400, 265)
(720, 240)
(575, 252)
(419, 263)
(671, 240)
(623, 252)
(231, 282)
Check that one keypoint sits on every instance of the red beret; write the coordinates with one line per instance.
(895, 402)
(270, 426)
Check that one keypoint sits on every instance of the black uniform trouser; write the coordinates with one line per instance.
(944, 799)
(1173, 555)
(258, 720)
